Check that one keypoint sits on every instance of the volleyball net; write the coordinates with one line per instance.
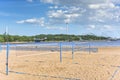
(36, 48)
(20, 56)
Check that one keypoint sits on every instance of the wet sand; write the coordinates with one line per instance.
(45, 65)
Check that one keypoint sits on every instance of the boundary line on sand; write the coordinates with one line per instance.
(115, 72)
(66, 78)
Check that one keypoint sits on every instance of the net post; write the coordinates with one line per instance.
(60, 51)
(7, 56)
(72, 50)
(7, 50)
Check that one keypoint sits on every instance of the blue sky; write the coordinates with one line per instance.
(32, 17)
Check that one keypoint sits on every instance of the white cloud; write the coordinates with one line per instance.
(40, 21)
(55, 14)
(82, 12)
(48, 1)
(74, 10)
(55, 28)
(73, 2)
(91, 26)
(103, 6)
(101, 27)
(53, 7)
(65, 14)
(20, 22)
(108, 15)
(108, 28)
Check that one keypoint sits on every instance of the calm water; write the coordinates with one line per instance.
(105, 43)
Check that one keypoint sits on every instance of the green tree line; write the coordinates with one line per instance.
(50, 37)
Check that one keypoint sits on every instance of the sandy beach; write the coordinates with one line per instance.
(45, 65)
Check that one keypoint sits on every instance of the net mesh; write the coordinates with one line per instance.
(40, 48)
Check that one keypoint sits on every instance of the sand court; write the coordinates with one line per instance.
(45, 65)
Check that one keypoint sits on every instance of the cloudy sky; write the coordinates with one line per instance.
(31, 17)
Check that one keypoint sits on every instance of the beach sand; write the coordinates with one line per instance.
(45, 65)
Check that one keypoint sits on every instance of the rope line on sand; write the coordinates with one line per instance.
(115, 72)
(66, 78)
